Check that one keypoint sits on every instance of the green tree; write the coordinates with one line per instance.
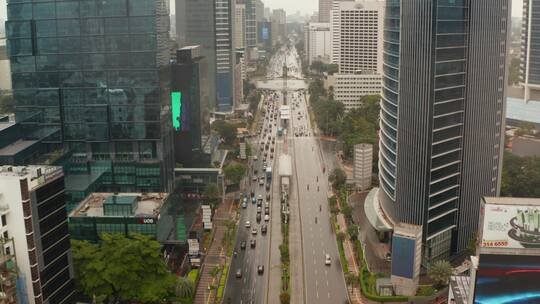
(328, 115)
(440, 272)
(317, 66)
(337, 178)
(340, 236)
(6, 103)
(520, 176)
(225, 130)
(347, 212)
(184, 288)
(122, 269)
(513, 75)
(352, 231)
(284, 298)
(212, 193)
(234, 172)
(351, 279)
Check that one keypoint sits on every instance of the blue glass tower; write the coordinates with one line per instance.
(91, 77)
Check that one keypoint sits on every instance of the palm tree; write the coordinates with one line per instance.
(185, 288)
(440, 272)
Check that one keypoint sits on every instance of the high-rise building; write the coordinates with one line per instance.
(251, 23)
(318, 42)
(190, 107)
(442, 116)
(279, 30)
(93, 78)
(530, 49)
(240, 26)
(357, 30)
(33, 215)
(325, 6)
(259, 11)
(209, 23)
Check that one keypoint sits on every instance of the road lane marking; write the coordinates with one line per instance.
(329, 295)
(327, 283)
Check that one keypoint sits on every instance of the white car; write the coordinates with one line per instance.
(266, 217)
(254, 231)
(327, 260)
(248, 224)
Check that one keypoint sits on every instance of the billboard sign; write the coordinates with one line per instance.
(507, 279)
(511, 226)
(265, 33)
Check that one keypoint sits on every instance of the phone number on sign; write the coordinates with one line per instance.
(495, 243)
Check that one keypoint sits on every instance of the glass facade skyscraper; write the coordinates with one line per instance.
(442, 115)
(92, 77)
(530, 49)
(209, 23)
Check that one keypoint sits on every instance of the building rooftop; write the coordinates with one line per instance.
(37, 174)
(512, 201)
(16, 147)
(5, 125)
(95, 205)
(518, 109)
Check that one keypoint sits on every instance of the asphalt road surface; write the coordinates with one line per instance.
(251, 286)
(323, 283)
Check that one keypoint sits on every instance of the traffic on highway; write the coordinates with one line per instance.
(255, 271)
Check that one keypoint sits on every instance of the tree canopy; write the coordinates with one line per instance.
(234, 172)
(122, 269)
(520, 176)
(225, 130)
(440, 272)
(337, 178)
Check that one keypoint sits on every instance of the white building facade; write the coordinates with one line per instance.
(363, 165)
(350, 88)
(319, 43)
(240, 26)
(357, 32)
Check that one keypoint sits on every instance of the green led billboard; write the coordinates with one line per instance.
(176, 103)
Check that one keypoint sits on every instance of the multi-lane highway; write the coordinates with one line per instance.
(323, 283)
(247, 283)
(311, 236)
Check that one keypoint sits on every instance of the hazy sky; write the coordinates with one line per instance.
(291, 6)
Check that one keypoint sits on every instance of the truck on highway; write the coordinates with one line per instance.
(280, 132)
(268, 174)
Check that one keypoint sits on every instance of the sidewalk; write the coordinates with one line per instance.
(354, 293)
(215, 256)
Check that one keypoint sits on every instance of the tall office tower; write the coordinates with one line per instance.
(442, 116)
(259, 12)
(279, 30)
(530, 49)
(267, 13)
(180, 6)
(33, 214)
(318, 42)
(239, 26)
(93, 77)
(251, 23)
(209, 24)
(191, 107)
(325, 6)
(357, 30)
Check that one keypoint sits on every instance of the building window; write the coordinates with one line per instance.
(4, 220)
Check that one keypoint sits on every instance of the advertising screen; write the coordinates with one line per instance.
(265, 33)
(403, 256)
(176, 105)
(511, 226)
(507, 279)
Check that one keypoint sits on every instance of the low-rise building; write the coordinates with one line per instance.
(117, 213)
(350, 88)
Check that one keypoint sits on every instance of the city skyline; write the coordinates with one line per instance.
(291, 7)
